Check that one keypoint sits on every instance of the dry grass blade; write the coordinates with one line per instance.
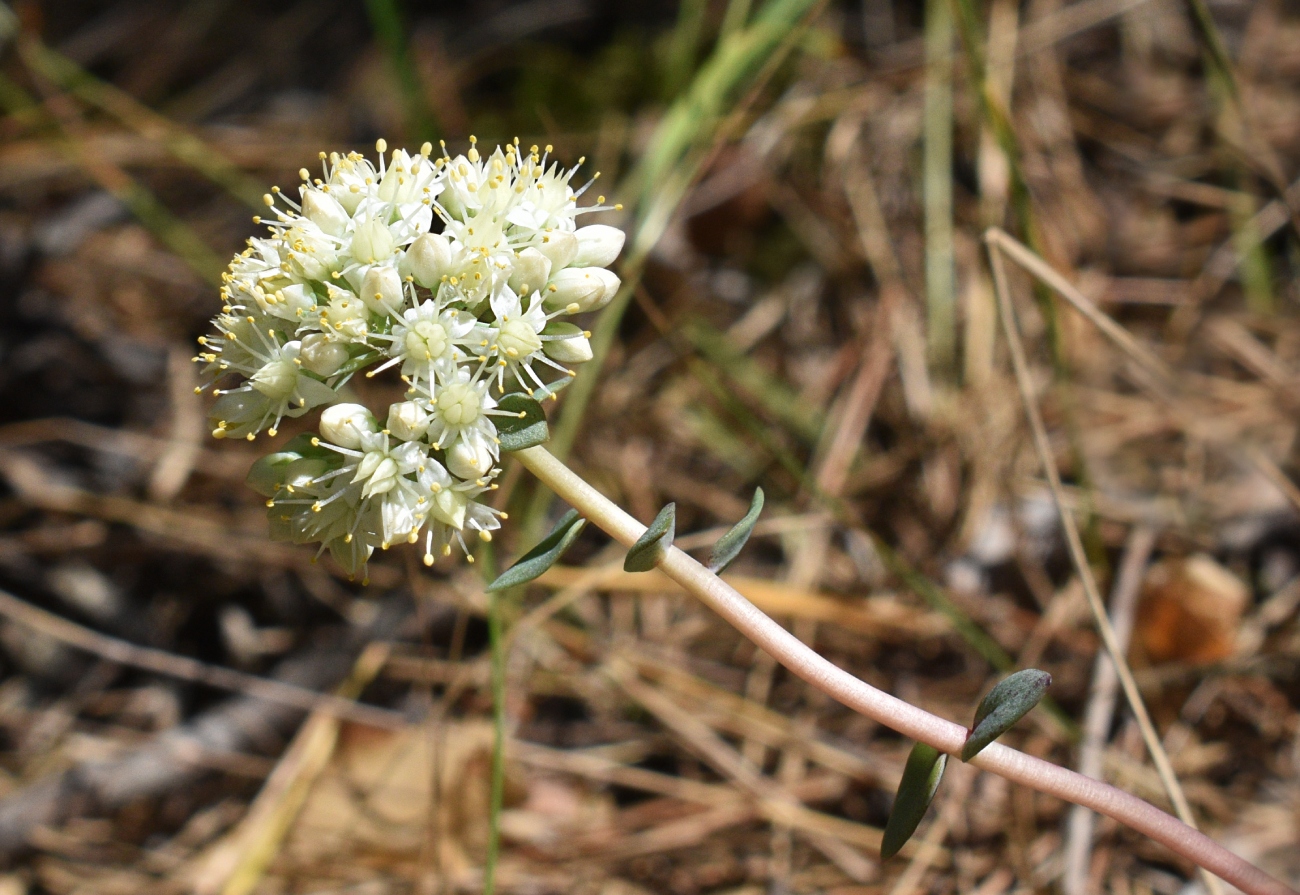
(1160, 379)
(1078, 557)
(236, 865)
(1101, 703)
(832, 836)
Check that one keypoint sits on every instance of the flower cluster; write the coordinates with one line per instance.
(454, 272)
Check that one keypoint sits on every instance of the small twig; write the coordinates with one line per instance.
(187, 669)
(907, 719)
(1101, 703)
(1074, 543)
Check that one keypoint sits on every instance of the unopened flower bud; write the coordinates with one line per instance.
(470, 461)
(566, 343)
(561, 247)
(371, 242)
(588, 288)
(381, 290)
(344, 424)
(321, 356)
(408, 421)
(428, 259)
(324, 211)
(598, 246)
(531, 271)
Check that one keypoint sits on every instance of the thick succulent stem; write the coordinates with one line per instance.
(892, 712)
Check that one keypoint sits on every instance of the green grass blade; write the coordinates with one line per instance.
(940, 298)
(386, 21)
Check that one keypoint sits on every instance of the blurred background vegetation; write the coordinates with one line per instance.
(808, 307)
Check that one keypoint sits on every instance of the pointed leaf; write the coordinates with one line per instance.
(730, 544)
(1006, 704)
(544, 555)
(916, 790)
(527, 428)
(651, 546)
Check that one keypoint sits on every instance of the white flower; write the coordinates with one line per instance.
(428, 342)
(324, 211)
(453, 510)
(460, 406)
(372, 241)
(472, 457)
(276, 387)
(546, 200)
(345, 318)
(581, 289)
(513, 339)
(381, 477)
(475, 185)
(452, 270)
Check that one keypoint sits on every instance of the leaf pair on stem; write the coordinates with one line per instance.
(1006, 704)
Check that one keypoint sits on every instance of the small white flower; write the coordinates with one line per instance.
(372, 241)
(276, 386)
(428, 342)
(324, 211)
(453, 510)
(461, 405)
(472, 457)
(345, 318)
(560, 247)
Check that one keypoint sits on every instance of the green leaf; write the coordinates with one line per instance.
(544, 555)
(730, 544)
(524, 430)
(915, 792)
(1006, 704)
(651, 546)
